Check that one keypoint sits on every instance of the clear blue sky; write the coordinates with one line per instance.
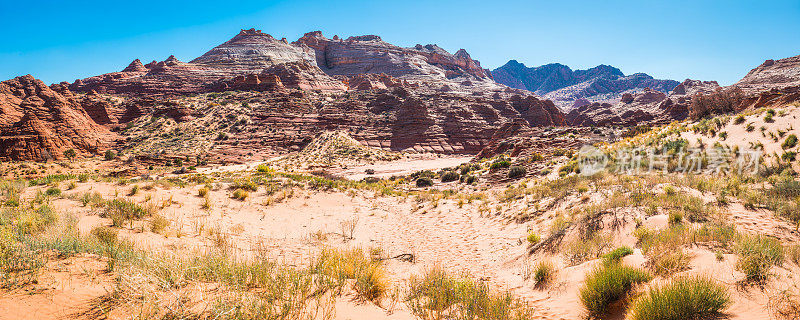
(706, 40)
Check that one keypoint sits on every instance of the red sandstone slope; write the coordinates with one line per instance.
(38, 123)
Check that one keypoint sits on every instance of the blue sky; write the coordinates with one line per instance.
(707, 40)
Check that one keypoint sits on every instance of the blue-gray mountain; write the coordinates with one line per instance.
(569, 88)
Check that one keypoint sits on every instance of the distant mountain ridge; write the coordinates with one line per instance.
(569, 88)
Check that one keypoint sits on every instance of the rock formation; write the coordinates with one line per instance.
(772, 74)
(642, 107)
(370, 54)
(557, 82)
(38, 123)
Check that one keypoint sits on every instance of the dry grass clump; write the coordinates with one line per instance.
(339, 266)
(202, 192)
(608, 284)
(240, 194)
(785, 304)
(122, 210)
(757, 255)
(696, 297)
(544, 273)
(159, 224)
(106, 235)
(440, 295)
(244, 184)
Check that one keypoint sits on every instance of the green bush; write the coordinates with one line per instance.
(54, 192)
(424, 182)
(790, 142)
(544, 273)
(245, 184)
(240, 194)
(685, 298)
(617, 255)
(757, 255)
(468, 179)
(450, 176)
(439, 295)
(675, 218)
(109, 155)
(497, 164)
(516, 172)
(608, 284)
(739, 119)
(121, 210)
(533, 238)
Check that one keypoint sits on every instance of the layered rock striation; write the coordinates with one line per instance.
(39, 123)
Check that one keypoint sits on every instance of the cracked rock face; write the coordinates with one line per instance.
(38, 123)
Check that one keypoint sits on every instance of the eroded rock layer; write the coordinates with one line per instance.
(38, 123)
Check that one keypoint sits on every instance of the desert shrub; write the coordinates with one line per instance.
(27, 219)
(439, 295)
(790, 142)
(668, 262)
(372, 283)
(450, 176)
(696, 297)
(616, 255)
(19, 265)
(109, 155)
(717, 102)
(750, 127)
(240, 194)
(500, 163)
(424, 182)
(739, 119)
(369, 171)
(468, 179)
(121, 210)
(608, 284)
(159, 223)
(533, 238)
(544, 273)
(202, 192)
(106, 235)
(516, 172)
(675, 218)
(91, 198)
(338, 266)
(757, 255)
(244, 184)
(53, 192)
(134, 190)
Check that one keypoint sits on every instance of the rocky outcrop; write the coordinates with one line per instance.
(370, 54)
(557, 82)
(251, 60)
(39, 123)
(772, 74)
(643, 107)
